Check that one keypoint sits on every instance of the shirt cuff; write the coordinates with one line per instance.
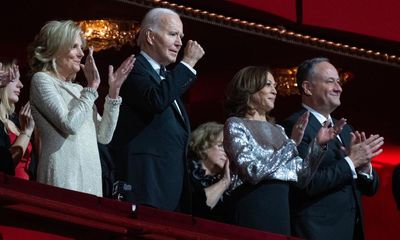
(190, 68)
(351, 165)
(369, 174)
(90, 93)
(114, 101)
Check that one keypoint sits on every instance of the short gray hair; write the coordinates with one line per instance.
(152, 21)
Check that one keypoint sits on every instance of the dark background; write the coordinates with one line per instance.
(369, 100)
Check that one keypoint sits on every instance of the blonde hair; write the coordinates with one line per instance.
(204, 137)
(6, 108)
(53, 38)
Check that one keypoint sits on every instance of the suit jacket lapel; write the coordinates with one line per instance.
(147, 66)
(344, 135)
(184, 117)
(156, 77)
(313, 124)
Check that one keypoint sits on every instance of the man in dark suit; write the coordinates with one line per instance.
(150, 140)
(330, 205)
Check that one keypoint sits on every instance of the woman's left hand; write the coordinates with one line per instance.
(299, 128)
(26, 120)
(226, 179)
(117, 78)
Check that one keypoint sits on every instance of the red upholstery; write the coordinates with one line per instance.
(31, 210)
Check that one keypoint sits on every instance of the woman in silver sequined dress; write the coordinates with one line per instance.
(264, 160)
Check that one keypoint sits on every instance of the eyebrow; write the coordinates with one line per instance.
(332, 78)
(270, 81)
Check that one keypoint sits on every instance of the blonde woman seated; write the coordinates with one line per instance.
(210, 175)
(16, 151)
(64, 111)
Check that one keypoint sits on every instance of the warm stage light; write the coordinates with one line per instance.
(286, 80)
(109, 33)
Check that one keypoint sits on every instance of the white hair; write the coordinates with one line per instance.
(152, 21)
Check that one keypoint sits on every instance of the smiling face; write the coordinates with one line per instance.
(166, 41)
(68, 61)
(263, 101)
(323, 88)
(14, 89)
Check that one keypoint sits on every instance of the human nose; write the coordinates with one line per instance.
(80, 53)
(19, 83)
(338, 87)
(178, 41)
(274, 91)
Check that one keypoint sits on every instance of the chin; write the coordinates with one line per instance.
(221, 164)
(269, 108)
(171, 60)
(14, 100)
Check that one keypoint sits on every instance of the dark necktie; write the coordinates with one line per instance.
(331, 125)
(163, 72)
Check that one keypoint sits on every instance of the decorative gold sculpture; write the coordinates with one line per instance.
(109, 33)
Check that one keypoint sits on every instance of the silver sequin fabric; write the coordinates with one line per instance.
(260, 150)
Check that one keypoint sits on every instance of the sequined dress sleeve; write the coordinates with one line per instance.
(260, 150)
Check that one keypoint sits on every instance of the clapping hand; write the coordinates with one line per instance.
(300, 127)
(26, 119)
(117, 78)
(90, 70)
(363, 149)
(326, 133)
(226, 179)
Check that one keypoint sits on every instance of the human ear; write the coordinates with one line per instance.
(149, 36)
(306, 85)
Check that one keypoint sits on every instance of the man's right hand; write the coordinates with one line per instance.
(192, 53)
(363, 149)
